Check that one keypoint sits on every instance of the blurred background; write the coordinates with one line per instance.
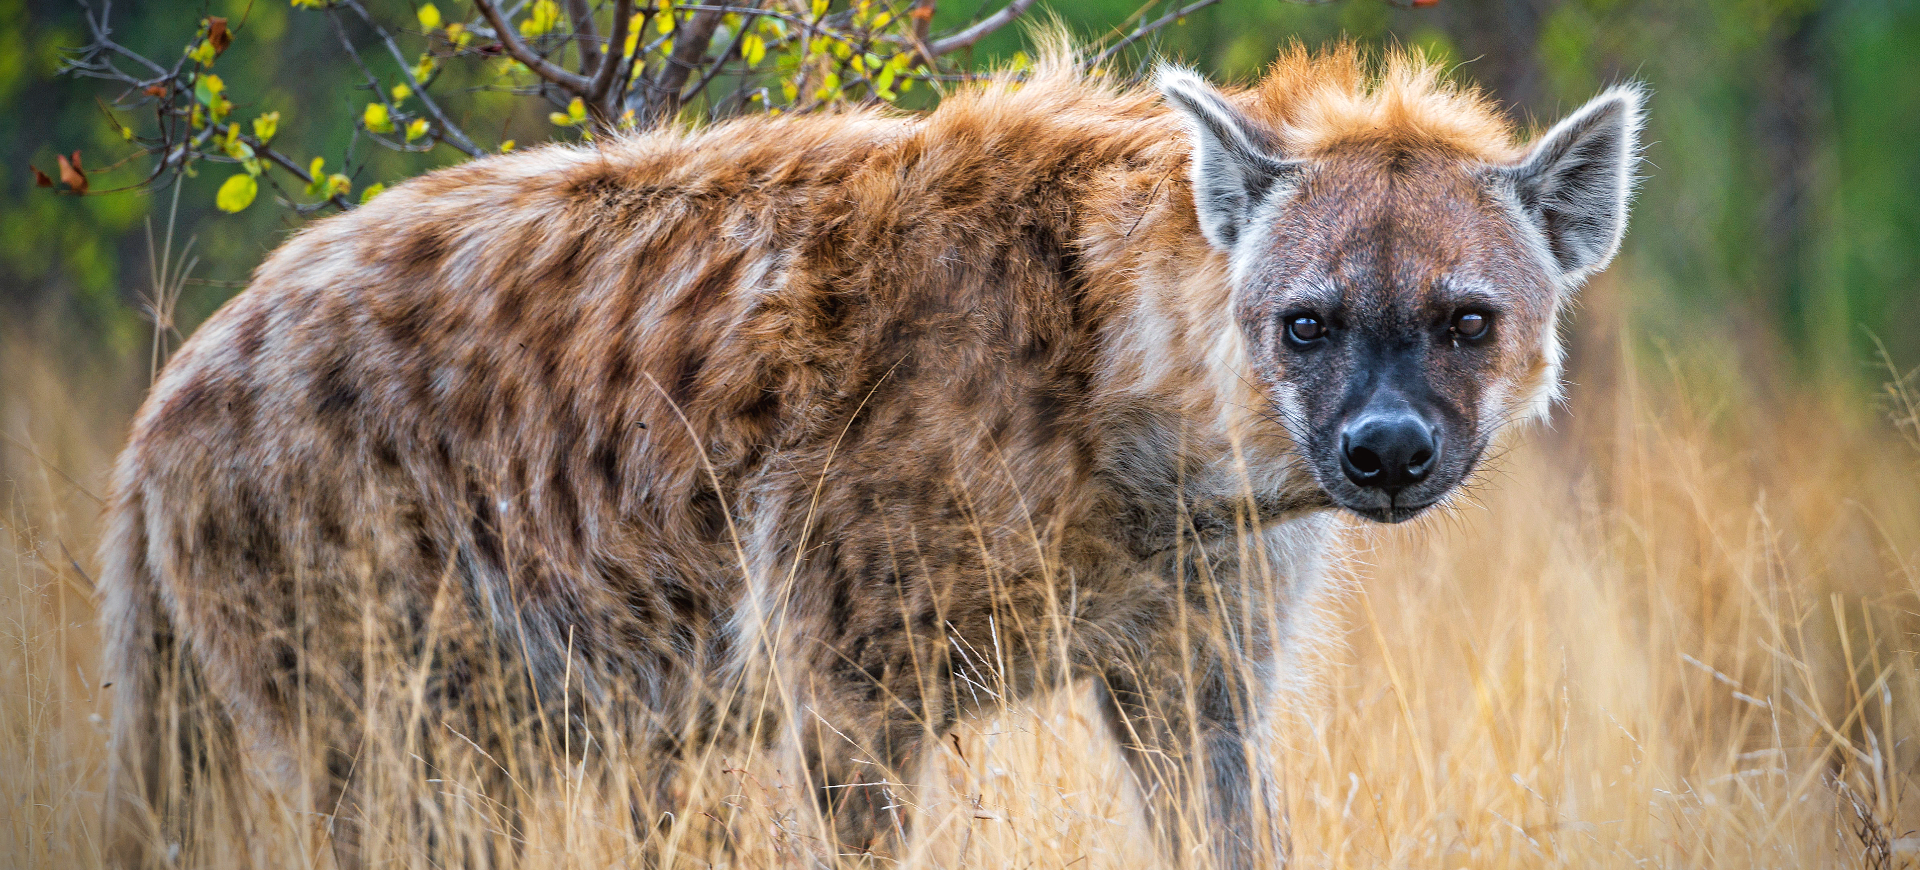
(1678, 627)
(1779, 200)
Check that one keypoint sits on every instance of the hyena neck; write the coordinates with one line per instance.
(1177, 372)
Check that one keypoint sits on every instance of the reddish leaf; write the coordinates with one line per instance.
(491, 49)
(72, 173)
(1419, 3)
(156, 90)
(40, 179)
(218, 35)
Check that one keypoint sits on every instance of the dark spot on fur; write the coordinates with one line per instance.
(709, 517)
(335, 393)
(485, 530)
(251, 334)
(605, 458)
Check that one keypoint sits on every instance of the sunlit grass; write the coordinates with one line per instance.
(1676, 630)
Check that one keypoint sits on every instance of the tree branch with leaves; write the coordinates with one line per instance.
(602, 67)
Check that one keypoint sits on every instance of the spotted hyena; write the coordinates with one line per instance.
(812, 427)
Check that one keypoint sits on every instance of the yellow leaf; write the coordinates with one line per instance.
(424, 69)
(377, 119)
(559, 119)
(236, 193)
(542, 19)
(664, 23)
(372, 191)
(238, 149)
(506, 146)
(819, 10)
(753, 49)
(429, 17)
(265, 126)
(338, 185)
(313, 169)
(577, 110)
(416, 129)
(401, 92)
(634, 25)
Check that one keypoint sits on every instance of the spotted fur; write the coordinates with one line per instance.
(870, 409)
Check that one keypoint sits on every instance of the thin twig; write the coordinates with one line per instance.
(1148, 29)
(448, 131)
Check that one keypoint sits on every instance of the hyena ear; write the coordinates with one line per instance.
(1576, 181)
(1235, 160)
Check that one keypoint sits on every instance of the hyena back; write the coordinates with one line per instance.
(813, 426)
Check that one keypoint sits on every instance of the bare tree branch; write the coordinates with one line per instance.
(572, 83)
(720, 60)
(987, 25)
(610, 63)
(581, 13)
(689, 51)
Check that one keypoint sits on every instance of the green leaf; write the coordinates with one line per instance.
(236, 193)
(207, 89)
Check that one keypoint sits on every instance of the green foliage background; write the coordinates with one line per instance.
(1781, 204)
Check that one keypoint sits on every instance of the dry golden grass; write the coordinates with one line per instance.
(1678, 630)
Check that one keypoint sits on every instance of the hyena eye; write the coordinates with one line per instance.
(1471, 324)
(1305, 328)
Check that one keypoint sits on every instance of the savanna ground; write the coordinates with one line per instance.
(1676, 629)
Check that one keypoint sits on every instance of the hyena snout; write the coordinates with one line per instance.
(1388, 448)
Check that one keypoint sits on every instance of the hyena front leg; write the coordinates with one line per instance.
(1196, 752)
(861, 747)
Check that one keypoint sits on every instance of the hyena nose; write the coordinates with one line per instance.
(1388, 451)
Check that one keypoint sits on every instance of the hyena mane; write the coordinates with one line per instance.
(795, 433)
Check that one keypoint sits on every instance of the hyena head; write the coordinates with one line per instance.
(1397, 285)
